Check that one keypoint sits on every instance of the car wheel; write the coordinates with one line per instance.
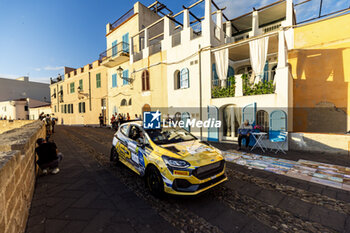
(155, 182)
(114, 157)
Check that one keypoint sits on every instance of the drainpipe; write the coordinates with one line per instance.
(90, 91)
(200, 88)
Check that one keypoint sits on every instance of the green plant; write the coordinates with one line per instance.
(262, 87)
(228, 91)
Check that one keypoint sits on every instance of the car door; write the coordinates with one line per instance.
(136, 151)
(123, 141)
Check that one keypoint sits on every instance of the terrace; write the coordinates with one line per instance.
(115, 55)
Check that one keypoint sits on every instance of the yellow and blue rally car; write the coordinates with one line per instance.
(171, 160)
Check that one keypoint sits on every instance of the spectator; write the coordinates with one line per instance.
(54, 120)
(127, 117)
(48, 123)
(244, 132)
(49, 158)
(101, 120)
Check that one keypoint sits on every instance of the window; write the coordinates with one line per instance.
(54, 93)
(130, 102)
(71, 108)
(68, 108)
(114, 80)
(98, 80)
(82, 107)
(124, 130)
(72, 88)
(126, 43)
(262, 119)
(26, 108)
(81, 84)
(177, 80)
(65, 108)
(114, 48)
(145, 81)
(125, 75)
(184, 78)
(61, 93)
(124, 102)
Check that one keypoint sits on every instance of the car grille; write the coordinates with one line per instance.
(209, 170)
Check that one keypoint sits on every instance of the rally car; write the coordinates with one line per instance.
(171, 160)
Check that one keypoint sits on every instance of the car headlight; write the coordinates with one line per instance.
(176, 163)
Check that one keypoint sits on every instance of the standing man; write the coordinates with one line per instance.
(53, 119)
(101, 120)
(244, 132)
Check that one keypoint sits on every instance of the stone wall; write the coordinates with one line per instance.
(318, 142)
(6, 125)
(17, 175)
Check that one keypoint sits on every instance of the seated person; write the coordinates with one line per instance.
(48, 156)
(140, 138)
(244, 132)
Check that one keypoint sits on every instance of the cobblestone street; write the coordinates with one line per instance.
(90, 195)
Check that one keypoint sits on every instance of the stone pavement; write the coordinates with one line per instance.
(90, 195)
(84, 197)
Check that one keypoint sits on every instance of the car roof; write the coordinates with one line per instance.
(139, 123)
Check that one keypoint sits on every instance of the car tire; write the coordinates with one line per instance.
(154, 182)
(114, 156)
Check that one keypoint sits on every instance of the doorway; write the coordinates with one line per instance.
(231, 122)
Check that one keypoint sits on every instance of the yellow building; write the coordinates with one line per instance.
(136, 76)
(80, 96)
(321, 73)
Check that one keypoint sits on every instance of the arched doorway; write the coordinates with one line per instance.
(262, 119)
(146, 108)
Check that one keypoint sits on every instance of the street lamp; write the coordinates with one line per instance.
(120, 73)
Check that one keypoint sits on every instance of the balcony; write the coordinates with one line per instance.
(122, 19)
(115, 55)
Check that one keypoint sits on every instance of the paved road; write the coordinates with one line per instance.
(90, 195)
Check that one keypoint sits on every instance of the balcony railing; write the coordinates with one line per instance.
(223, 89)
(228, 87)
(119, 49)
(122, 18)
(272, 27)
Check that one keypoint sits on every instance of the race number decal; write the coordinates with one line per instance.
(135, 157)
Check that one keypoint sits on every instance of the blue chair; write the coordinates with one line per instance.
(279, 138)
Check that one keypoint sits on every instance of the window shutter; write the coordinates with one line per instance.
(147, 81)
(143, 81)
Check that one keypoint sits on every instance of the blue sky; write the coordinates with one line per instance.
(39, 37)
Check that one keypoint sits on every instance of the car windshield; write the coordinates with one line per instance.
(169, 135)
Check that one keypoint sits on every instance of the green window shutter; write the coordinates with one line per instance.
(98, 80)
(81, 84)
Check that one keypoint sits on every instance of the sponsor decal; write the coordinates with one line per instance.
(151, 120)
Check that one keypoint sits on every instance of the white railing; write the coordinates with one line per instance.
(271, 28)
(242, 36)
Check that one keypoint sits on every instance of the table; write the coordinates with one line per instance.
(258, 140)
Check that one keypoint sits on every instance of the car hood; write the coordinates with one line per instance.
(194, 152)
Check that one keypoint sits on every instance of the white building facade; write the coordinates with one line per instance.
(230, 71)
(11, 89)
